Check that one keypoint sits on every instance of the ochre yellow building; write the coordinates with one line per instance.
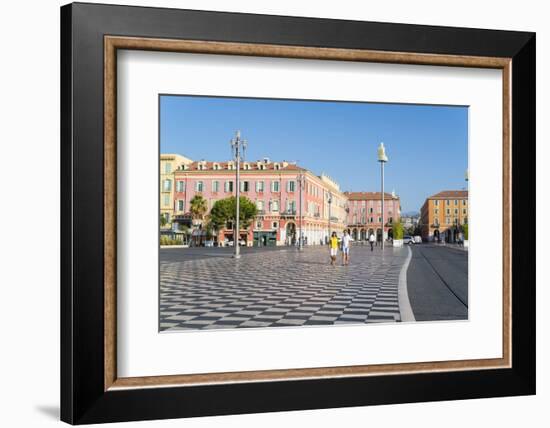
(443, 215)
(168, 164)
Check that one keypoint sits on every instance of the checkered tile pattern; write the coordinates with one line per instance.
(280, 288)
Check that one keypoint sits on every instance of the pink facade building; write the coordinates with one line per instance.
(364, 215)
(274, 188)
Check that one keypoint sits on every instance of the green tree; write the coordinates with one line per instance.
(210, 229)
(163, 220)
(225, 210)
(465, 231)
(410, 230)
(198, 207)
(398, 231)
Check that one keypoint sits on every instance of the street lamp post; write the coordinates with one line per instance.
(382, 158)
(329, 213)
(238, 146)
(301, 179)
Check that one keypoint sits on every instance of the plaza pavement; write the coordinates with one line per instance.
(277, 288)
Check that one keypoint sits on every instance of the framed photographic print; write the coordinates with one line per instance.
(265, 213)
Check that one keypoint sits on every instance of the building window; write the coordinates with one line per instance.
(244, 186)
(167, 167)
(436, 203)
(370, 212)
(456, 211)
(166, 200)
(274, 206)
(180, 186)
(259, 224)
(260, 186)
(291, 186)
(275, 186)
(199, 186)
(448, 220)
(167, 185)
(464, 211)
(228, 186)
(260, 205)
(291, 206)
(456, 201)
(447, 202)
(167, 217)
(448, 211)
(436, 222)
(371, 220)
(436, 211)
(181, 205)
(215, 186)
(275, 225)
(379, 219)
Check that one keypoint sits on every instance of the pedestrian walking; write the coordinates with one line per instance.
(371, 241)
(346, 242)
(333, 248)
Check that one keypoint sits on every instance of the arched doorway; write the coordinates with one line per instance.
(290, 233)
(436, 235)
(363, 235)
(354, 234)
(378, 235)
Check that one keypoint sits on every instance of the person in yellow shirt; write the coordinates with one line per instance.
(333, 243)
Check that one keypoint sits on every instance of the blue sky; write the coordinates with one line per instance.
(427, 146)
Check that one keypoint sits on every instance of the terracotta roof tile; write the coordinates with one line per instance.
(450, 194)
(359, 196)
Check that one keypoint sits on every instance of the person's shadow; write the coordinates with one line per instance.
(50, 411)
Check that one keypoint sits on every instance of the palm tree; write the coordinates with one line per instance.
(198, 208)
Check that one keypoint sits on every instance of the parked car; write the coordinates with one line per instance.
(408, 239)
(417, 239)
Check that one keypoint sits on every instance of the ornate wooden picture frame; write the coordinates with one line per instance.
(91, 390)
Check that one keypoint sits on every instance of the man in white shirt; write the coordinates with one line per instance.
(346, 242)
(371, 241)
